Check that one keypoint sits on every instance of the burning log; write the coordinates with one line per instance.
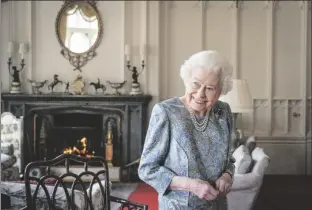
(79, 152)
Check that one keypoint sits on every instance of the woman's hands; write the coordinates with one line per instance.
(224, 183)
(204, 190)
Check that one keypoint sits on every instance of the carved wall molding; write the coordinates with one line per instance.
(295, 103)
(303, 4)
(201, 4)
(237, 4)
(134, 108)
(292, 109)
(287, 113)
(205, 4)
(260, 103)
(286, 103)
(271, 4)
(280, 103)
(274, 4)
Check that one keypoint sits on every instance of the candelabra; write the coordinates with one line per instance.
(135, 86)
(13, 70)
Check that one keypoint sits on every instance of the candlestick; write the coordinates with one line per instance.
(22, 49)
(135, 87)
(143, 51)
(10, 49)
(127, 52)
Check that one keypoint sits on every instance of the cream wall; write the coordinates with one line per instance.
(268, 43)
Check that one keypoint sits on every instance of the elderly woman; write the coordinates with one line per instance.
(186, 155)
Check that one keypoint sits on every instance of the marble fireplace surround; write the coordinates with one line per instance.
(127, 114)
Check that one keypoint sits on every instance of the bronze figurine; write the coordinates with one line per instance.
(98, 85)
(55, 82)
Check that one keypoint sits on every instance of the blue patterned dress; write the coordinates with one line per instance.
(173, 147)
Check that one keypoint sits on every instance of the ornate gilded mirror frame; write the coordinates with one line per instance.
(78, 60)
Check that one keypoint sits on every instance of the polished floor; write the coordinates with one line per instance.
(285, 192)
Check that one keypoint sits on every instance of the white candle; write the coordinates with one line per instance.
(10, 49)
(127, 52)
(143, 51)
(22, 49)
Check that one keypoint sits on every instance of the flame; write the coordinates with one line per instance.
(76, 151)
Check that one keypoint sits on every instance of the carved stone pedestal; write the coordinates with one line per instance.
(135, 89)
(15, 87)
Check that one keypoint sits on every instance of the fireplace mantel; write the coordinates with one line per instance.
(68, 97)
(17, 103)
(133, 110)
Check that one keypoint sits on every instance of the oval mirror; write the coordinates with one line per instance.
(79, 30)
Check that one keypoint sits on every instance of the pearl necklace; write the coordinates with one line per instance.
(200, 126)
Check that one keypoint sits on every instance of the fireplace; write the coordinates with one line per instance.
(55, 129)
(55, 122)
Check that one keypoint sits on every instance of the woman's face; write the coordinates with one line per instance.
(203, 90)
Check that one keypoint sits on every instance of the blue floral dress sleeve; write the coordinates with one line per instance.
(230, 167)
(156, 147)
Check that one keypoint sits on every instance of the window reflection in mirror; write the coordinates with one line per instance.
(79, 27)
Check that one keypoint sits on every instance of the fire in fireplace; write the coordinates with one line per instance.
(80, 150)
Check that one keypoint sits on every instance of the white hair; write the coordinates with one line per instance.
(210, 61)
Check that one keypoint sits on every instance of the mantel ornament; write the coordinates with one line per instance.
(98, 86)
(116, 86)
(13, 70)
(78, 85)
(55, 82)
(36, 86)
(135, 86)
(79, 30)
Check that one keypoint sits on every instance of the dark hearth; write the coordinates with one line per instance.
(74, 130)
